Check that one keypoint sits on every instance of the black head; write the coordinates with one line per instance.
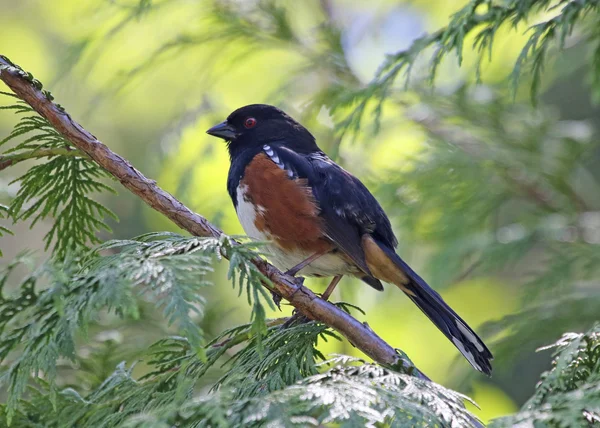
(254, 125)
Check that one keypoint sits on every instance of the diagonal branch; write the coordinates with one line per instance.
(308, 303)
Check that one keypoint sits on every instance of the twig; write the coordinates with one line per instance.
(309, 304)
(14, 158)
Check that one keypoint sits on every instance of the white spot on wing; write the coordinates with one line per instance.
(472, 338)
(275, 158)
(467, 354)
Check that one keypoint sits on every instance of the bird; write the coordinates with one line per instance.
(319, 220)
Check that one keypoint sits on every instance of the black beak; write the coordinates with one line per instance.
(223, 130)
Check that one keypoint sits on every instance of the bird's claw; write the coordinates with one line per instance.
(298, 281)
(276, 299)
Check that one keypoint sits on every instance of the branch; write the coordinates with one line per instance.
(12, 159)
(308, 303)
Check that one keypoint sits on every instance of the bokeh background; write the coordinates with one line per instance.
(494, 199)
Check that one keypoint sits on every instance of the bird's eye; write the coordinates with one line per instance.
(250, 123)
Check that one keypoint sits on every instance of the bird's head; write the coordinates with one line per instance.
(258, 124)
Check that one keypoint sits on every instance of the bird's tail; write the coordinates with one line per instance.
(379, 256)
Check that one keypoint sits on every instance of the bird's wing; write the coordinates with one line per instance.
(355, 221)
(347, 207)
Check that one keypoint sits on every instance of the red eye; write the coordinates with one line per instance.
(250, 123)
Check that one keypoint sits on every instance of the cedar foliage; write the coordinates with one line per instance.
(277, 377)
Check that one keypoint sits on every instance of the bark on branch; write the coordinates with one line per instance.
(309, 304)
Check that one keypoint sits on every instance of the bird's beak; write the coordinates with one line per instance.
(223, 130)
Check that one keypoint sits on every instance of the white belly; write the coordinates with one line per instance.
(247, 212)
(327, 265)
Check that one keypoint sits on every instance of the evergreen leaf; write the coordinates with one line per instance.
(58, 188)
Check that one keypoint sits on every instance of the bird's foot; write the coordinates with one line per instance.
(299, 282)
(276, 299)
(297, 279)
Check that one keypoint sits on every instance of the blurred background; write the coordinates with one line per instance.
(495, 199)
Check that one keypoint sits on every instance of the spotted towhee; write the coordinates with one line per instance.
(319, 219)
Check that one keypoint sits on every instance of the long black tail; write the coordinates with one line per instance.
(442, 315)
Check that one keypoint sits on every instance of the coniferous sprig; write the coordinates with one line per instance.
(480, 21)
(289, 355)
(276, 381)
(346, 395)
(267, 25)
(569, 393)
(248, 278)
(58, 188)
(167, 269)
(352, 393)
(175, 367)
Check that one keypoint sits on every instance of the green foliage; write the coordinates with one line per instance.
(351, 393)
(3, 230)
(244, 31)
(568, 395)
(58, 188)
(287, 357)
(346, 395)
(166, 269)
(481, 20)
(494, 190)
(246, 276)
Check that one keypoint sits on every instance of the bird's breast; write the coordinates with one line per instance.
(272, 204)
(273, 207)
